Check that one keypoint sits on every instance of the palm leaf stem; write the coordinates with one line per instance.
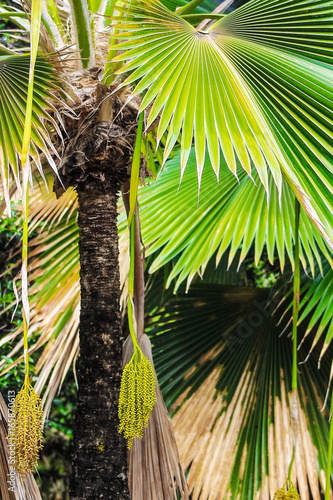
(52, 9)
(111, 66)
(52, 22)
(81, 24)
(95, 5)
(329, 456)
(218, 10)
(108, 11)
(130, 303)
(199, 17)
(135, 170)
(297, 291)
(186, 9)
(9, 15)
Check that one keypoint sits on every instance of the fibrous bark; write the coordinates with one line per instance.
(100, 465)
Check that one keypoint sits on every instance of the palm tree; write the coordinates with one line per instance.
(270, 87)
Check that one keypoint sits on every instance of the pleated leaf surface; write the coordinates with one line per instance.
(14, 77)
(256, 86)
(224, 217)
(225, 369)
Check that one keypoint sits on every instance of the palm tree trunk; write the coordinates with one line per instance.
(100, 463)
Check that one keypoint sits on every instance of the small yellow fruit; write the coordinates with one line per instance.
(137, 396)
(28, 429)
(287, 494)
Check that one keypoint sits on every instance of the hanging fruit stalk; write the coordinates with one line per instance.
(137, 390)
(28, 413)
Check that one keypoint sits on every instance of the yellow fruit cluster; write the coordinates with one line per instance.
(137, 396)
(28, 429)
(290, 494)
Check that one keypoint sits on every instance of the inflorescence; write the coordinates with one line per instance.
(287, 494)
(137, 396)
(28, 429)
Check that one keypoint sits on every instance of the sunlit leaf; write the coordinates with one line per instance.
(227, 216)
(254, 97)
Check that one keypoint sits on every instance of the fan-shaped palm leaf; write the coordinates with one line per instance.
(227, 216)
(240, 94)
(14, 77)
(220, 355)
(54, 264)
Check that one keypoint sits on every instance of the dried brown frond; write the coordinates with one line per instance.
(154, 467)
(205, 428)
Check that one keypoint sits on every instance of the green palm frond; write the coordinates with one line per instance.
(316, 308)
(227, 216)
(245, 96)
(296, 97)
(15, 16)
(14, 77)
(285, 26)
(170, 58)
(222, 361)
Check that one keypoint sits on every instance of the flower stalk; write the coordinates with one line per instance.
(28, 413)
(137, 390)
(288, 491)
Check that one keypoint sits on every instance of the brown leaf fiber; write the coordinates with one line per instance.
(155, 471)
